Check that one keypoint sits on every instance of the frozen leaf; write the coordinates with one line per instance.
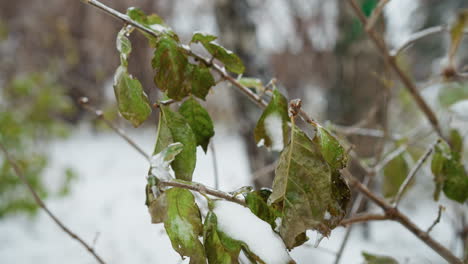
(303, 182)
(257, 201)
(376, 259)
(184, 225)
(132, 101)
(124, 46)
(152, 22)
(331, 149)
(272, 127)
(456, 34)
(230, 60)
(199, 120)
(395, 173)
(172, 70)
(161, 161)
(202, 81)
(174, 128)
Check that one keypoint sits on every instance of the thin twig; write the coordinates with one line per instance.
(215, 165)
(395, 214)
(364, 218)
(376, 14)
(198, 187)
(392, 155)
(412, 173)
(99, 114)
(437, 220)
(405, 79)
(41, 204)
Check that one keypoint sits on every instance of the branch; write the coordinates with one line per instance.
(437, 220)
(198, 187)
(364, 218)
(412, 173)
(84, 102)
(41, 204)
(405, 79)
(396, 215)
(376, 14)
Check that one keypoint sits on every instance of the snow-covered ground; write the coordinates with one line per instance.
(107, 205)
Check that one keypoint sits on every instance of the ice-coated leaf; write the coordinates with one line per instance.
(272, 127)
(230, 60)
(132, 101)
(308, 188)
(123, 45)
(172, 70)
(395, 173)
(184, 225)
(199, 120)
(152, 22)
(174, 128)
(161, 161)
(376, 259)
(449, 174)
(456, 33)
(202, 81)
(257, 201)
(219, 248)
(331, 149)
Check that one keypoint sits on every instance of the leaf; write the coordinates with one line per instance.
(376, 259)
(341, 195)
(257, 201)
(230, 60)
(252, 83)
(199, 120)
(174, 128)
(303, 182)
(272, 127)
(161, 161)
(172, 70)
(219, 248)
(395, 173)
(331, 149)
(123, 45)
(184, 225)
(457, 144)
(132, 101)
(437, 165)
(152, 22)
(451, 93)
(202, 81)
(456, 34)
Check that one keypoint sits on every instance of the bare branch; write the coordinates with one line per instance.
(198, 187)
(364, 218)
(437, 220)
(99, 114)
(412, 173)
(41, 204)
(405, 79)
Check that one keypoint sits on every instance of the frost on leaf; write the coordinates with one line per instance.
(161, 161)
(172, 128)
(239, 225)
(308, 187)
(199, 120)
(272, 127)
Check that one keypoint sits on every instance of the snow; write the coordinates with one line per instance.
(241, 224)
(274, 130)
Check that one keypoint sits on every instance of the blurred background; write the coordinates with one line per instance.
(52, 53)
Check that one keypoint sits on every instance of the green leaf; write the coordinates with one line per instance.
(456, 33)
(139, 16)
(252, 83)
(331, 149)
(132, 101)
(341, 195)
(172, 70)
(199, 120)
(230, 60)
(184, 225)
(202, 81)
(456, 140)
(304, 184)
(219, 248)
(272, 127)
(257, 201)
(174, 128)
(376, 259)
(395, 173)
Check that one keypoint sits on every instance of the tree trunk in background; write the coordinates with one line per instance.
(237, 31)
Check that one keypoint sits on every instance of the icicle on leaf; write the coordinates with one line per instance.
(272, 127)
(376, 259)
(395, 173)
(199, 120)
(183, 224)
(257, 201)
(202, 81)
(132, 101)
(230, 60)
(456, 34)
(331, 149)
(172, 70)
(174, 128)
(304, 183)
(449, 174)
